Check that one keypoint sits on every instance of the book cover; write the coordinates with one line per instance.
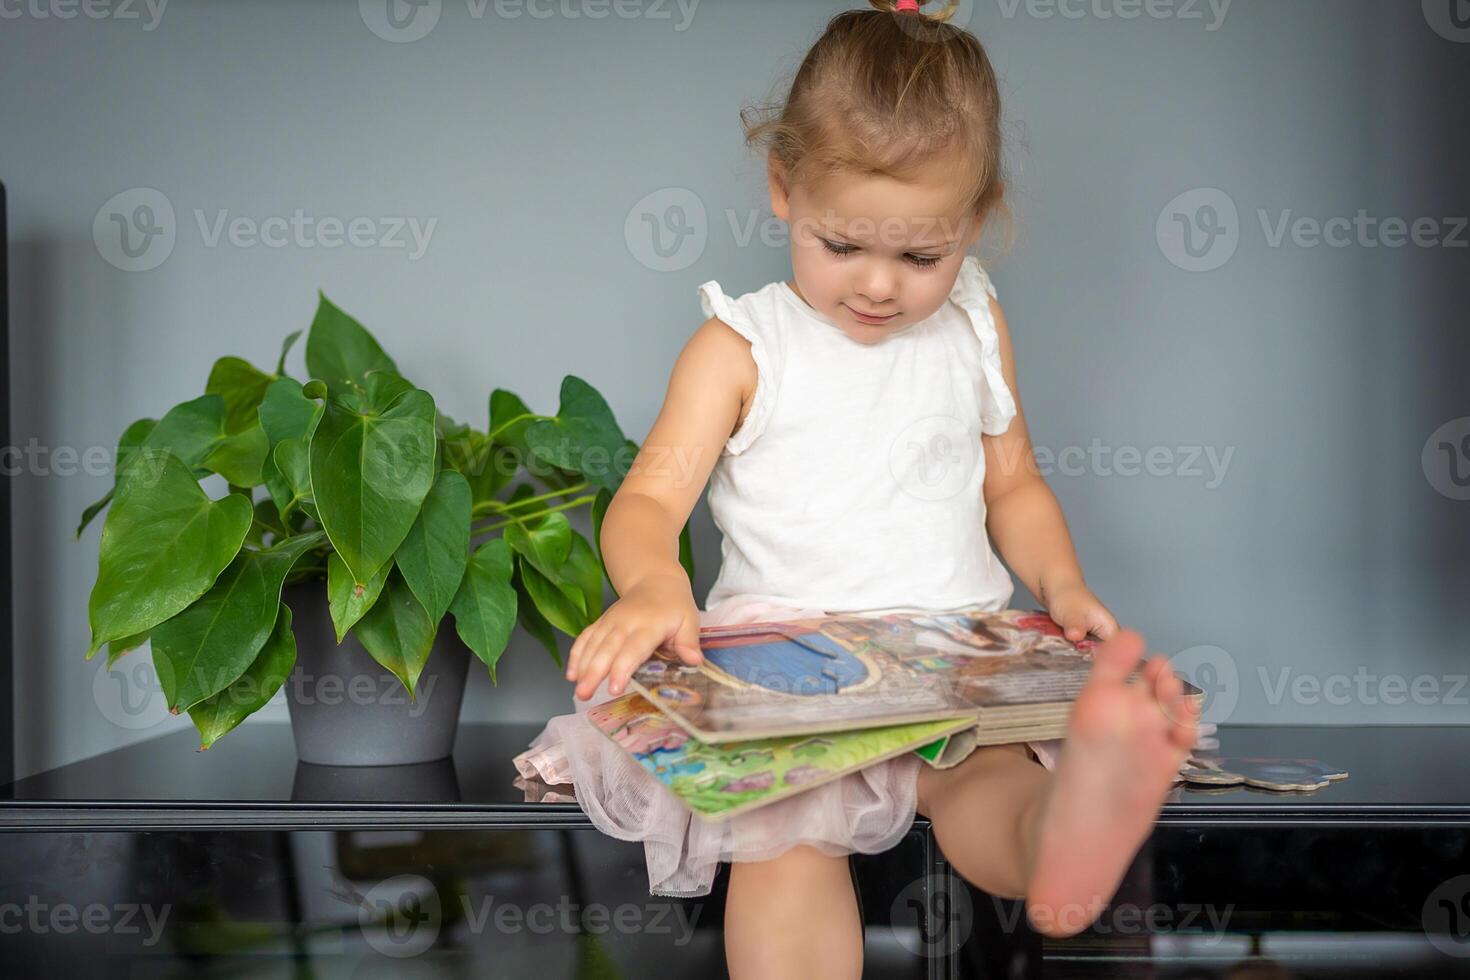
(999, 669)
(718, 781)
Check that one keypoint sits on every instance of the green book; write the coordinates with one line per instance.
(719, 780)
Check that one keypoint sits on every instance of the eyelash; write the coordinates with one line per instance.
(921, 261)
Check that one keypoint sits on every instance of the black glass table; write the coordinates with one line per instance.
(159, 860)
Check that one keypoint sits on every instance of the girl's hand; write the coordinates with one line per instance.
(1078, 612)
(657, 612)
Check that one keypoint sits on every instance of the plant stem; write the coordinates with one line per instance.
(499, 506)
(540, 513)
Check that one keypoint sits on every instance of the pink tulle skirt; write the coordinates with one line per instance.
(867, 811)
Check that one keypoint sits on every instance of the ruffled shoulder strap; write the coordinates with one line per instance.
(972, 292)
(743, 316)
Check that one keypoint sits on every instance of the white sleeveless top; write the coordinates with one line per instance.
(855, 482)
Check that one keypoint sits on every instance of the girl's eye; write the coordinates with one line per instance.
(922, 261)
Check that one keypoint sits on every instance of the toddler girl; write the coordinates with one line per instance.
(859, 429)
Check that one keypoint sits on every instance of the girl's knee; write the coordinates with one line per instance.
(801, 863)
(933, 784)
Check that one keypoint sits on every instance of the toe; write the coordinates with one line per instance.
(1114, 660)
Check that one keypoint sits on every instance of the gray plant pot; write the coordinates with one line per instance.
(348, 710)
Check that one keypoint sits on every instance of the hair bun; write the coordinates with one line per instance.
(913, 7)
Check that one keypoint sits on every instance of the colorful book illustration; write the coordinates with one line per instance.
(717, 781)
(1011, 674)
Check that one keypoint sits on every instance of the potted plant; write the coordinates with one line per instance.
(357, 517)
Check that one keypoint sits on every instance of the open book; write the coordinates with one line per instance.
(779, 707)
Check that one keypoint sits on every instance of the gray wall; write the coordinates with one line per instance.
(1321, 547)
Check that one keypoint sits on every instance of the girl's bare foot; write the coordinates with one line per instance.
(1125, 742)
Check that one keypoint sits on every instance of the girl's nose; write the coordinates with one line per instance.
(877, 284)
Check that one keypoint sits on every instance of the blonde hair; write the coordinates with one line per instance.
(881, 93)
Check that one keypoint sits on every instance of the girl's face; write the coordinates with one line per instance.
(874, 255)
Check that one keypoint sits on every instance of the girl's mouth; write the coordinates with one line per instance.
(869, 318)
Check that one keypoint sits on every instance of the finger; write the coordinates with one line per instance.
(1184, 722)
(1167, 686)
(1153, 668)
(622, 669)
(1104, 625)
(596, 665)
(579, 647)
(586, 641)
(686, 643)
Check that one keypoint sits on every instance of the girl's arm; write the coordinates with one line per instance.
(1026, 524)
(712, 380)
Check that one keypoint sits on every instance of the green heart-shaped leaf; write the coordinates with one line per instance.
(127, 644)
(432, 557)
(288, 477)
(347, 600)
(370, 471)
(509, 418)
(203, 649)
(485, 606)
(562, 608)
(190, 431)
(397, 632)
(584, 437)
(220, 713)
(546, 542)
(339, 351)
(531, 619)
(239, 456)
(163, 545)
(286, 346)
(287, 413)
(241, 385)
(471, 454)
(130, 440)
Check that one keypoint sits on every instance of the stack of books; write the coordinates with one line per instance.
(778, 708)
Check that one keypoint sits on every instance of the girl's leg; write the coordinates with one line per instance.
(984, 812)
(793, 916)
(1065, 840)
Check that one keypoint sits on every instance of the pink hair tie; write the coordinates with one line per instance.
(906, 6)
